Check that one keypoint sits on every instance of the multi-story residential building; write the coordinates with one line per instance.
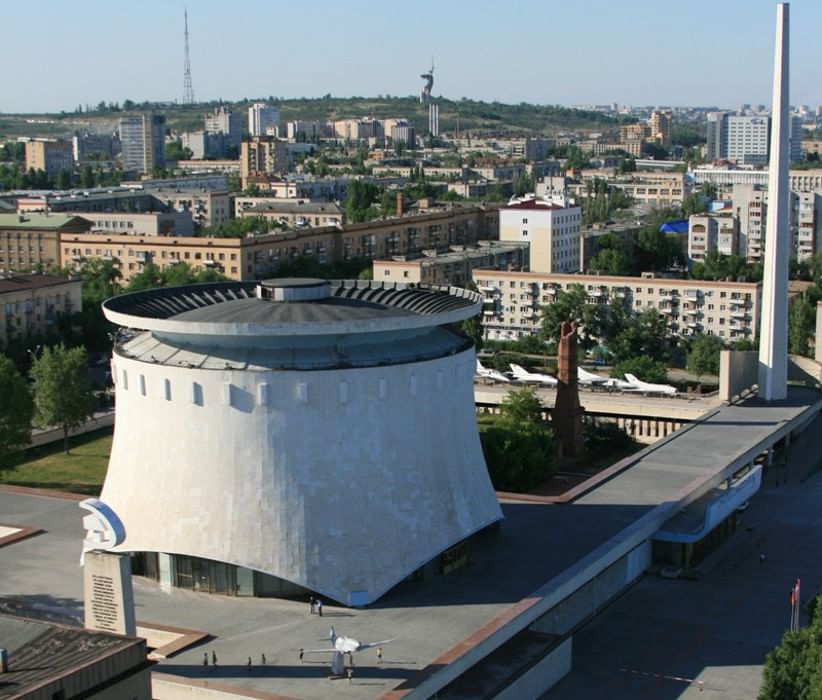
(403, 132)
(49, 155)
(808, 224)
(702, 236)
(358, 129)
(310, 131)
(86, 145)
(118, 199)
(260, 256)
(262, 156)
(745, 139)
(552, 229)
(156, 223)
(142, 139)
(659, 126)
(297, 212)
(750, 205)
(662, 189)
(514, 301)
(31, 304)
(206, 208)
(297, 187)
(453, 267)
(263, 120)
(228, 124)
(32, 241)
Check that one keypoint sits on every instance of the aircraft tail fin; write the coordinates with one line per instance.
(333, 635)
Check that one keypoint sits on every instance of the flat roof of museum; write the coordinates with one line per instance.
(518, 572)
(239, 308)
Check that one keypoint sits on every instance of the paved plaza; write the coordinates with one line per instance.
(516, 571)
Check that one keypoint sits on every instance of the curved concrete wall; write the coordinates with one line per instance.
(342, 481)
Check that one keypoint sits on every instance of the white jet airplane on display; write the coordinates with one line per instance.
(486, 373)
(523, 375)
(587, 378)
(647, 388)
(341, 646)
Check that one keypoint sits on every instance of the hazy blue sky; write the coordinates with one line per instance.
(59, 54)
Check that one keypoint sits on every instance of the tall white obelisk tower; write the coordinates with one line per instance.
(773, 339)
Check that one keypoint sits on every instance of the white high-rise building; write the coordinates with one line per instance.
(261, 118)
(550, 226)
(142, 139)
(745, 139)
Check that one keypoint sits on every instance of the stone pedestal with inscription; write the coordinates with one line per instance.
(108, 593)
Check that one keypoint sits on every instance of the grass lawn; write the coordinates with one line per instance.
(48, 467)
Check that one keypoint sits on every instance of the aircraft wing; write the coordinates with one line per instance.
(332, 650)
(371, 645)
(586, 377)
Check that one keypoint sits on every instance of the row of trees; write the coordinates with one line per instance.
(61, 395)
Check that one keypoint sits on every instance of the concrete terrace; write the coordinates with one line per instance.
(540, 554)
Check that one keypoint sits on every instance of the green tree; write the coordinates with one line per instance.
(801, 325)
(148, 278)
(703, 355)
(611, 261)
(175, 150)
(694, 203)
(645, 334)
(63, 395)
(64, 180)
(361, 195)
(642, 367)
(572, 305)
(793, 670)
(518, 444)
(87, 177)
(101, 280)
(16, 411)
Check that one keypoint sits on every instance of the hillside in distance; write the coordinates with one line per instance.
(473, 115)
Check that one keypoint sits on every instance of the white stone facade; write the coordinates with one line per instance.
(343, 481)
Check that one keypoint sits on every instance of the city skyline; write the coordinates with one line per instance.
(706, 54)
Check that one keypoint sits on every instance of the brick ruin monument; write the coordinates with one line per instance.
(566, 417)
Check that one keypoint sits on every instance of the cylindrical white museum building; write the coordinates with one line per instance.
(296, 434)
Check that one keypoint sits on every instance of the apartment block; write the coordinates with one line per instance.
(31, 241)
(142, 141)
(454, 267)
(257, 257)
(552, 229)
(155, 223)
(297, 212)
(514, 301)
(659, 127)
(31, 304)
(206, 208)
(262, 156)
(263, 119)
(662, 189)
(745, 139)
(49, 155)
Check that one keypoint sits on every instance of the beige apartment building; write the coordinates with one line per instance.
(297, 213)
(262, 156)
(32, 241)
(261, 256)
(209, 208)
(31, 304)
(455, 266)
(655, 188)
(514, 301)
(49, 155)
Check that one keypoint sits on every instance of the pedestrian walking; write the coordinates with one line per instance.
(214, 658)
(302, 651)
(262, 659)
(311, 604)
(379, 655)
(249, 664)
(205, 661)
(350, 673)
(319, 607)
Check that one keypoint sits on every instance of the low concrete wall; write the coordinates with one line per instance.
(589, 598)
(738, 371)
(49, 435)
(542, 676)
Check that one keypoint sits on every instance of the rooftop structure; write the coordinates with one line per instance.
(220, 401)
